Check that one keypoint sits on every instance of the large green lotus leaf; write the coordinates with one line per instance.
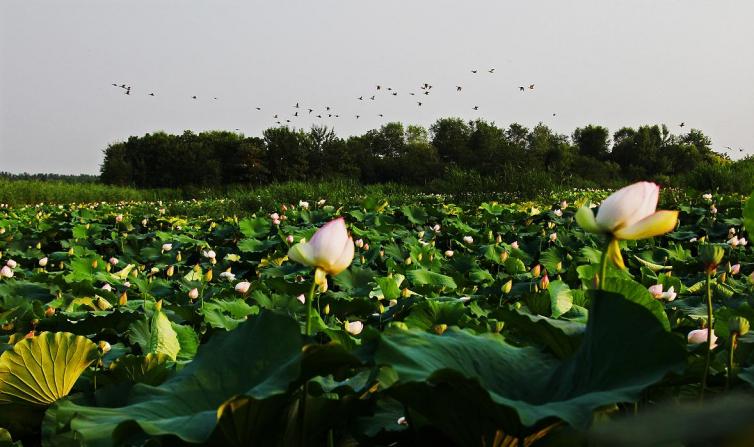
(151, 369)
(259, 359)
(562, 337)
(426, 277)
(633, 291)
(42, 369)
(470, 385)
(163, 339)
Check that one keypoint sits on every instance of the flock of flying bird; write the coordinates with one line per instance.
(425, 89)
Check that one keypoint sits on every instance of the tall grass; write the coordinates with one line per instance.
(22, 192)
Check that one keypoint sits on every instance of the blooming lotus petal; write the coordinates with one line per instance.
(585, 219)
(628, 205)
(699, 336)
(655, 290)
(330, 249)
(660, 222)
(302, 253)
(345, 259)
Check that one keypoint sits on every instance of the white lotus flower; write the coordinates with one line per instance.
(6, 272)
(193, 294)
(11, 263)
(43, 262)
(354, 327)
(330, 249)
(167, 247)
(468, 239)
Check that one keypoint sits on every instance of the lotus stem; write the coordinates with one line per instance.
(709, 335)
(309, 310)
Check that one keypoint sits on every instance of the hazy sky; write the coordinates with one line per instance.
(614, 63)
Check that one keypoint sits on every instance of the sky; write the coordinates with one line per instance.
(610, 62)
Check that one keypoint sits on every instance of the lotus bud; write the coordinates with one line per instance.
(289, 238)
(70, 251)
(553, 237)
(563, 205)
(178, 257)
(6, 272)
(392, 303)
(167, 247)
(544, 283)
(440, 328)
(119, 218)
(507, 287)
(514, 245)
(39, 246)
(303, 204)
(144, 222)
(711, 255)
(536, 270)
(449, 253)
(104, 347)
(113, 261)
(405, 292)
(193, 294)
(326, 309)
(354, 327)
(735, 269)
(436, 228)
(402, 421)
(468, 239)
(407, 261)
(275, 216)
(738, 326)
(420, 234)
(331, 249)
(713, 209)
(558, 213)
(49, 312)
(43, 262)
(366, 247)
(559, 266)
(284, 208)
(496, 326)
(11, 263)
(243, 287)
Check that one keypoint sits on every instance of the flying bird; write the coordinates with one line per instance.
(151, 94)
(476, 107)
(420, 103)
(295, 114)
(258, 108)
(193, 97)
(531, 86)
(458, 88)
(372, 98)
(491, 70)
(522, 88)
(361, 98)
(319, 116)
(474, 71)
(357, 116)
(381, 115)
(379, 87)
(310, 110)
(395, 93)
(296, 106)
(682, 124)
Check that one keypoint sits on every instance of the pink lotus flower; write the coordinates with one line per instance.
(699, 336)
(629, 214)
(193, 294)
(657, 293)
(11, 263)
(330, 249)
(289, 238)
(514, 244)
(735, 269)
(243, 287)
(113, 261)
(6, 272)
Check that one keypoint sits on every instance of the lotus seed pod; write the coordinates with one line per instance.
(208, 276)
(536, 270)
(504, 256)
(178, 257)
(103, 304)
(440, 328)
(70, 251)
(405, 293)
(408, 261)
(123, 300)
(39, 245)
(171, 271)
(738, 325)
(419, 257)
(108, 267)
(327, 309)
(94, 264)
(49, 312)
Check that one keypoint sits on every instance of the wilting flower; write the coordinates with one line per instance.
(628, 214)
(699, 336)
(468, 239)
(11, 263)
(354, 327)
(243, 287)
(735, 241)
(43, 262)
(656, 291)
(193, 294)
(228, 275)
(331, 249)
(167, 247)
(6, 272)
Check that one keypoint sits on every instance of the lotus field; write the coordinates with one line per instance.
(565, 321)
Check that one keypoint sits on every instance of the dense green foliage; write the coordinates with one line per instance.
(449, 353)
(451, 153)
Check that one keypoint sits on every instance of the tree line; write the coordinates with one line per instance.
(474, 151)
